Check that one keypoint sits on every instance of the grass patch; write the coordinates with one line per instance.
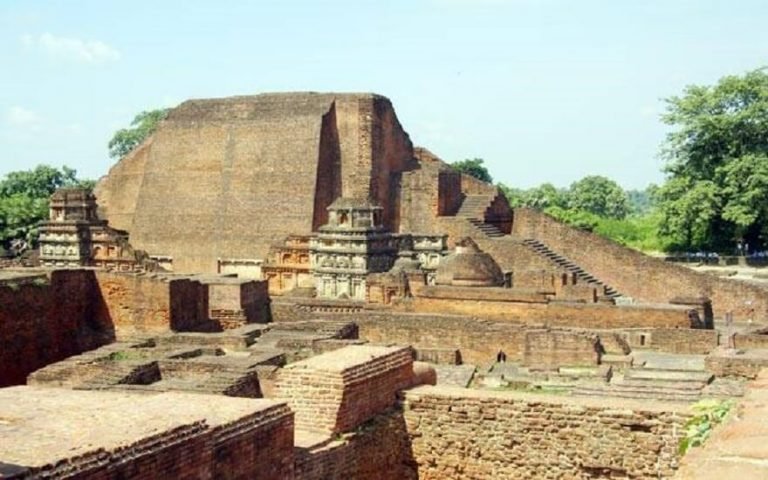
(708, 414)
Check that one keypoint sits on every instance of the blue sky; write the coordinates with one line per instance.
(548, 90)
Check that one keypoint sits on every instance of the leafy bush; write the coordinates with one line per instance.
(709, 413)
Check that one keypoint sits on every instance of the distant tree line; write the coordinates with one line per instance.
(715, 195)
(24, 195)
(24, 202)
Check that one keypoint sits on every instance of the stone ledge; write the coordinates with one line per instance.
(620, 405)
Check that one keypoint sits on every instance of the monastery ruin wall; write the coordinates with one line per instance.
(637, 275)
(466, 434)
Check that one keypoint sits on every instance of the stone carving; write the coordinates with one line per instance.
(352, 245)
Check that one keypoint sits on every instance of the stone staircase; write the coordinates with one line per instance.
(474, 206)
(543, 250)
(651, 383)
(121, 372)
(486, 229)
(473, 211)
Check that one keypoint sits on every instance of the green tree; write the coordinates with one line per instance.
(546, 196)
(24, 199)
(475, 168)
(600, 196)
(142, 126)
(40, 182)
(515, 196)
(717, 163)
(642, 202)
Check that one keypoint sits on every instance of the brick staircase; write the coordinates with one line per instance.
(474, 206)
(486, 229)
(489, 236)
(543, 250)
(651, 383)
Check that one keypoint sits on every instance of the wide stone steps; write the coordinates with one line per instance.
(486, 229)
(651, 383)
(112, 373)
(474, 206)
(661, 385)
(543, 250)
(629, 391)
(663, 375)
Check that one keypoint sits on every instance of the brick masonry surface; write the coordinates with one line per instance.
(217, 167)
(105, 435)
(469, 434)
(339, 390)
(47, 319)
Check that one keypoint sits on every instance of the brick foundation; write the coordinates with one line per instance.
(467, 434)
(337, 391)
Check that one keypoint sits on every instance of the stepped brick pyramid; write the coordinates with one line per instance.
(229, 177)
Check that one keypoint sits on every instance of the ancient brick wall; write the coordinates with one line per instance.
(751, 340)
(640, 276)
(472, 186)
(676, 340)
(729, 363)
(257, 446)
(480, 341)
(466, 301)
(153, 304)
(328, 182)
(469, 434)
(44, 320)
(432, 189)
(339, 390)
(392, 154)
(255, 301)
(379, 449)
(499, 213)
(249, 299)
(449, 192)
(552, 349)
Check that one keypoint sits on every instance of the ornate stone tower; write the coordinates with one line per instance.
(350, 246)
(74, 236)
(65, 239)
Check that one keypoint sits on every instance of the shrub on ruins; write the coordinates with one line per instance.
(707, 414)
(475, 168)
(717, 164)
(24, 202)
(142, 126)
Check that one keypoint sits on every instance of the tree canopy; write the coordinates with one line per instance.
(142, 126)
(474, 167)
(717, 164)
(24, 199)
(600, 196)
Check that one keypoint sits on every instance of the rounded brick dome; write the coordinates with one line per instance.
(469, 266)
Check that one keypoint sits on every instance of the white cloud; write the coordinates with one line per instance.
(72, 49)
(21, 117)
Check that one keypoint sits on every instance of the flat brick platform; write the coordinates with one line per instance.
(85, 434)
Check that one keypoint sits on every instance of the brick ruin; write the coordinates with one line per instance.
(368, 311)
